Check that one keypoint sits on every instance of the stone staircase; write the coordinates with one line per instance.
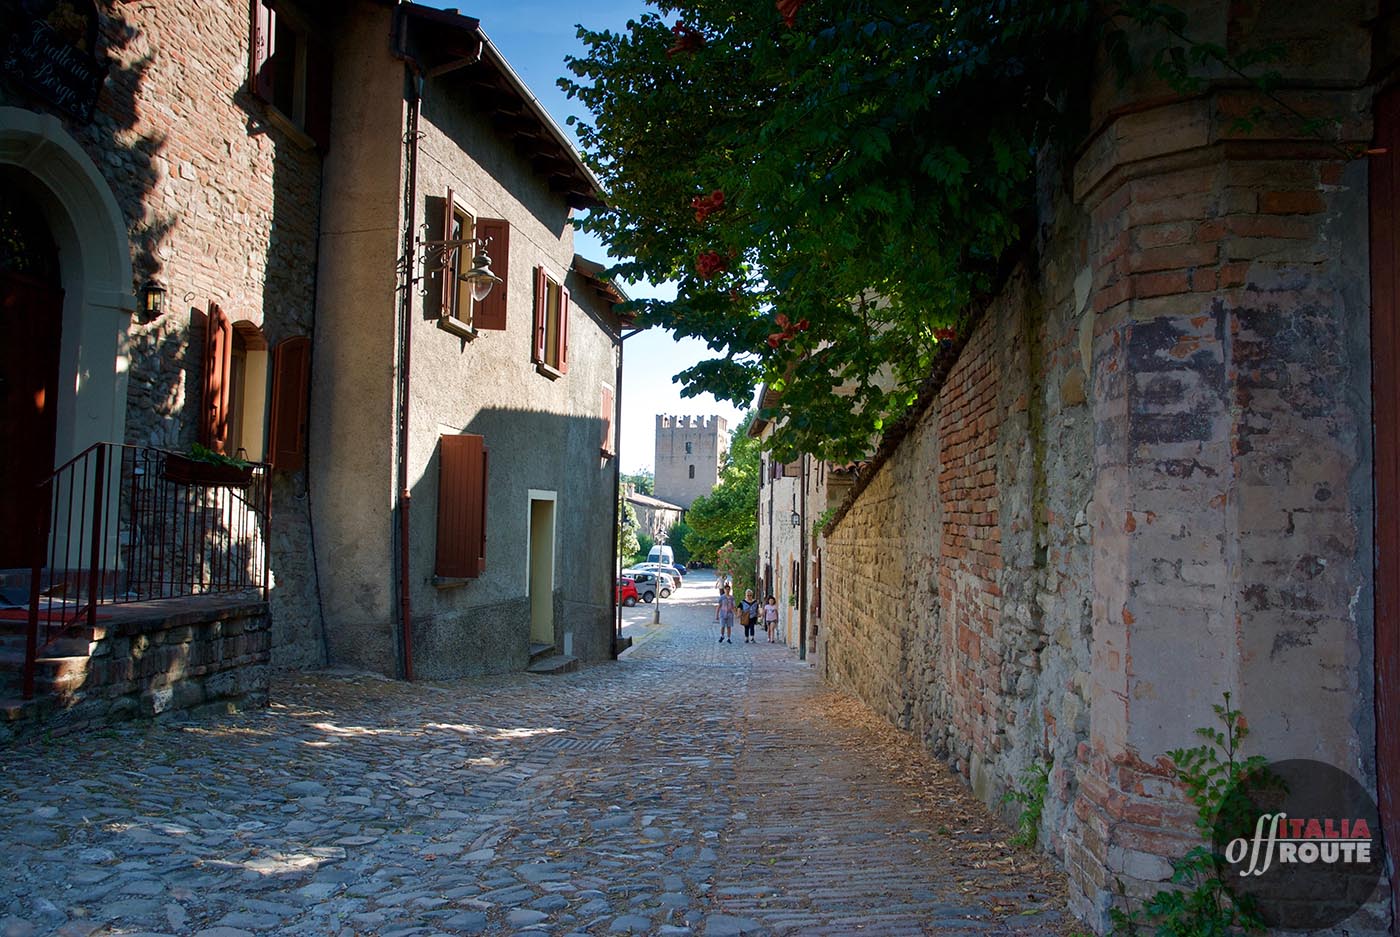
(544, 660)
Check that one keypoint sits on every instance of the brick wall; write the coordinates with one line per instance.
(1164, 417)
(221, 205)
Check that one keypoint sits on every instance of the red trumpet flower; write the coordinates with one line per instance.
(688, 39)
(789, 10)
(709, 263)
(707, 205)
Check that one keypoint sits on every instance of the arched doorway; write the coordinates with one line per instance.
(31, 319)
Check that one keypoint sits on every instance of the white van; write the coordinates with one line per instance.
(661, 553)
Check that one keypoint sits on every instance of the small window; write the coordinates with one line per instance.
(233, 398)
(688, 448)
(551, 344)
(291, 71)
(458, 308)
(692, 471)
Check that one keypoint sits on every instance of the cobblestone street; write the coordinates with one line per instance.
(690, 788)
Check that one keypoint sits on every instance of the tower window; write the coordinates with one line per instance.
(688, 448)
(692, 471)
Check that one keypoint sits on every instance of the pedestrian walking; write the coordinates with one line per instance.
(724, 614)
(770, 617)
(749, 610)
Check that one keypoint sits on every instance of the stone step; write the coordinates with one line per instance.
(540, 651)
(558, 663)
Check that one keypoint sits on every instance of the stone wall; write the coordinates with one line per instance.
(198, 656)
(1152, 469)
(221, 204)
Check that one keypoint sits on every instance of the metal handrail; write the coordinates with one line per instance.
(121, 523)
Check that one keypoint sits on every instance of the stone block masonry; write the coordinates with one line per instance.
(194, 656)
(1144, 479)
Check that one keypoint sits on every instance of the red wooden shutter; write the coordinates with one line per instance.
(291, 372)
(262, 46)
(491, 311)
(563, 331)
(541, 315)
(448, 276)
(607, 420)
(461, 541)
(318, 93)
(218, 359)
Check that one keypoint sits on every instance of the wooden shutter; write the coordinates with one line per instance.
(262, 46)
(461, 542)
(447, 277)
(218, 359)
(817, 587)
(318, 93)
(563, 331)
(607, 420)
(291, 373)
(491, 311)
(541, 315)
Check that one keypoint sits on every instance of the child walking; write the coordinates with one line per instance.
(770, 617)
(748, 616)
(724, 614)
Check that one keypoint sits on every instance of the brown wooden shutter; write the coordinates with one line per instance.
(817, 587)
(218, 359)
(541, 315)
(264, 33)
(461, 546)
(291, 373)
(607, 420)
(491, 311)
(318, 93)
(447, 277)
(563, 331)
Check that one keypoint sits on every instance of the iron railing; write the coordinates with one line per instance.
(125, 523)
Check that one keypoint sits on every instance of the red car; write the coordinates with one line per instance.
(626, 592)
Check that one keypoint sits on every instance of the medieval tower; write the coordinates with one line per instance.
(689, 452)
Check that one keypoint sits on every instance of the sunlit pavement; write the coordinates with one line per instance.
(692, 787)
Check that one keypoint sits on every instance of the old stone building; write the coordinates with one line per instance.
(689, 453)
(215, 233)
(654, 517)
(1159, 464)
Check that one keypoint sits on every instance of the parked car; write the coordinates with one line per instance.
(650, 584)
(626, 592)
(674, 571)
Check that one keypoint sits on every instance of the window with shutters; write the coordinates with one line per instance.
(607, 412)
(290, 70)
(551, 343)
(461, 533)
(247, 393)
(457, 304)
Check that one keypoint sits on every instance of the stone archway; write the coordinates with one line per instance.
(89, 231)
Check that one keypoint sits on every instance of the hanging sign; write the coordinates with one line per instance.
(52, 53)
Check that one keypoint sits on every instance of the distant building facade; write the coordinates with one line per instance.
(654, 516)
(689, 451)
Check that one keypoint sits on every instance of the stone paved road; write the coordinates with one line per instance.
(692, 788)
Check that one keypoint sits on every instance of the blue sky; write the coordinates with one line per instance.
(535, 36)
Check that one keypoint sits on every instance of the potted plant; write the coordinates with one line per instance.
(204, 466)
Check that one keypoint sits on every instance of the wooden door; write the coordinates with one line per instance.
(31, 316)
(1385, 388)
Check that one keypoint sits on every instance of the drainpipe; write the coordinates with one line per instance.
(410, 200)
(802, 566)
(617, 484)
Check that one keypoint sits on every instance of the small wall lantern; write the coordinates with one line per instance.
(152, 297)
(796, 519)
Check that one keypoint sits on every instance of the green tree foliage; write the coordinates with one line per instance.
(830, 184)
(786, 164)
(643, 480)
(675, 536)
(627, 541)
(729, 514)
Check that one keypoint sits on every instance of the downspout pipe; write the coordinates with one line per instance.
(801, 584)
(414, 78)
